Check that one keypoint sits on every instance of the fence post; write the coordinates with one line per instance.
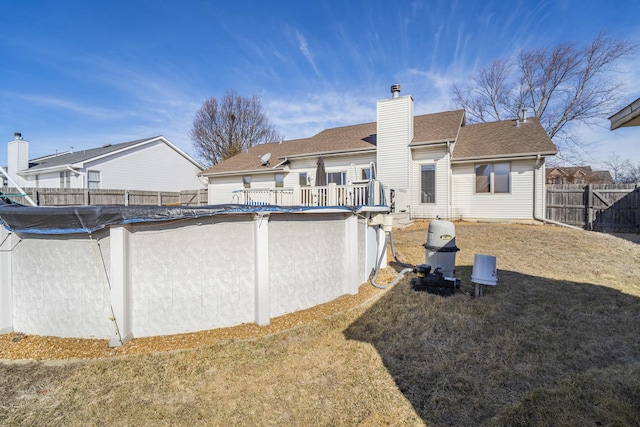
(588, 202)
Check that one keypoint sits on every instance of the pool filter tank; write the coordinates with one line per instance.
(436, 276)
(441, 247)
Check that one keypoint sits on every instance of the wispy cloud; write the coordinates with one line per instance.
(302, 117)
(66, 104)
(304, 48)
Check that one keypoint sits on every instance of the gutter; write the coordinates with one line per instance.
(521, 156)
(242, 172)
(333, 153)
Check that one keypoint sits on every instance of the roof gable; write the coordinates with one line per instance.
(442, 126)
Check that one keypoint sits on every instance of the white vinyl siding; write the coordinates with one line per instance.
(394, 133)
(437, 157)
(221, 190)
(151, 167)
(517, 204)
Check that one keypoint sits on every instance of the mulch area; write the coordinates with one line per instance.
(18, 346)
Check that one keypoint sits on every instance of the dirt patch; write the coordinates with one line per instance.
(18, 346)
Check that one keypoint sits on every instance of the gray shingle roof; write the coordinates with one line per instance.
(80, 155)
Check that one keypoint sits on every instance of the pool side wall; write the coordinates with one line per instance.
(151, 279)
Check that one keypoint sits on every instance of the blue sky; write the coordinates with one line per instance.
(85, 73)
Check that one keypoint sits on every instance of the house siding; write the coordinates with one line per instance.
(221, 188)
(439, 157)
(517, 204)
(151, 167)
(394, 133)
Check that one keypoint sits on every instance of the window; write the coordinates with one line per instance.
(369, 173)
(427, 184)
(246, 181)
(279, 177)
(93, 179)
(339, 178)
(483, 178)
(65, 179)
(501, 172)
(303, 180)
(493, 178)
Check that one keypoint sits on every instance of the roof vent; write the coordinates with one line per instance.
(524, 115)
(395, 90)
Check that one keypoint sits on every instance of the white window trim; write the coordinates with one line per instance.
(492, 185)
(435, 183)
(89, 181)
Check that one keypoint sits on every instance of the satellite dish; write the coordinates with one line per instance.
(265, 159)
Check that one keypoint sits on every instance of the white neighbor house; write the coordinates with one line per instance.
(151, 164)
(432, 165)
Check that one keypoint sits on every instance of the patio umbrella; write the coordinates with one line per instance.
(321, 174)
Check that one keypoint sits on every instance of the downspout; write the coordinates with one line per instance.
(535, 202)
(449, 184)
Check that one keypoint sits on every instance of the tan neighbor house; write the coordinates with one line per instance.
(431, 165)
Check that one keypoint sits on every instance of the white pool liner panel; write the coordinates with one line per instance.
(162, 278)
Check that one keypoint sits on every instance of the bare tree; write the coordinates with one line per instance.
(222, 129)
(561, 86)
(623, 171)
(617, 166)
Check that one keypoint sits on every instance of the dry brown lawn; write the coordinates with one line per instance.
(556, 342)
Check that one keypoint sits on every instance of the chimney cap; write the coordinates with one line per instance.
(17, 135)
(395, 89)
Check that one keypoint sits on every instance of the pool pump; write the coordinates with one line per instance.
(433, 283)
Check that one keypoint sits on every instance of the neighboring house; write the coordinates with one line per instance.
(577, 175)
(151, 164)
(628, 116)
(430, 165)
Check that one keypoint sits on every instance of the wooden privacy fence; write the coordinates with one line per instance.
(612, 208)
(101, 197)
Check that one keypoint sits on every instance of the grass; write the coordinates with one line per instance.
(554, 343)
